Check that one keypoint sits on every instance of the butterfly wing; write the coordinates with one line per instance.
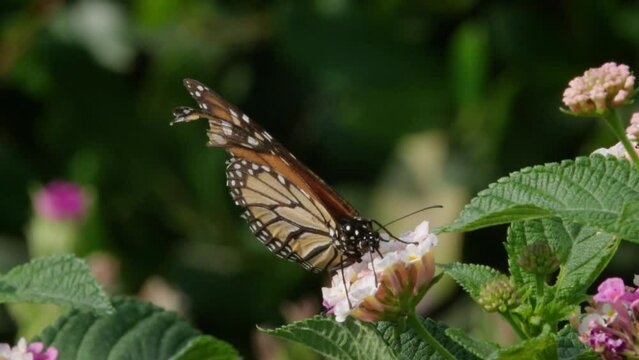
(289, 208)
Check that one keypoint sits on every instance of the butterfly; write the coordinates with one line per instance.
(288, 208)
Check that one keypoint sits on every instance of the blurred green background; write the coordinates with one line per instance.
(398, 104)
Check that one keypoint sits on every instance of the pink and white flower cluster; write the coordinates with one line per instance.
(599, 88)
(403, 275)
(612, 326)
(632, 132)
(24, 351)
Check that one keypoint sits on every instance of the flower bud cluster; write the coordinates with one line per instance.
(611, 327)
(385, 287)
(598, 89)
(539, 258)
(498, 295)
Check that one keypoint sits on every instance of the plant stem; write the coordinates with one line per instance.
(415, 322)
(612, 119)
(540, 282)
(515, 327)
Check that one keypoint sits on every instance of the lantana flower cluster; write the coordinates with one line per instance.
(24, 351)
(611, 327)
(388, 286)
(609, 85)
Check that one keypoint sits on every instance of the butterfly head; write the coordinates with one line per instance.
(357, 237)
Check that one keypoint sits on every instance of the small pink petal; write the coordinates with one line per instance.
(610, 290)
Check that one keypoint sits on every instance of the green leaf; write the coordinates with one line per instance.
(570, 348)
(481, 349)
(410, 346)
(207, 347)
(136, 330)
(584, 253)
(630, 216)
(348, 340)
(63, 280)
(540, 347)
(591, 251)
(597, 191)
(471, 277)
(523, 233)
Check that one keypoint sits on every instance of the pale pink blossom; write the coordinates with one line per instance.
(403, 274)
(599, 88)
(633, 128)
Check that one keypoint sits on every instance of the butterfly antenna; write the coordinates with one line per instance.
(413, 213)
(391, 234)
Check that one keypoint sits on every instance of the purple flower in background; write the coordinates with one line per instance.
(61, 200)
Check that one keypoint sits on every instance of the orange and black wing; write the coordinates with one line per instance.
(289, 208)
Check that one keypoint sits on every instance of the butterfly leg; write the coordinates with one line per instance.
(373, 265)
(341, 268)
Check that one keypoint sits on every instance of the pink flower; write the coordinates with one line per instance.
(24, 351)
(610, 290)
(612, 324)
(403, 275)
(61, 200)
(599, 88)
(37, 349)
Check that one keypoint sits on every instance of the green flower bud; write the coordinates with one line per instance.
(538, 258)
(498, 295)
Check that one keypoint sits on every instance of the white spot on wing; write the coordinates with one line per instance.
(245, 118)
(218, 139)
(252, 141)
